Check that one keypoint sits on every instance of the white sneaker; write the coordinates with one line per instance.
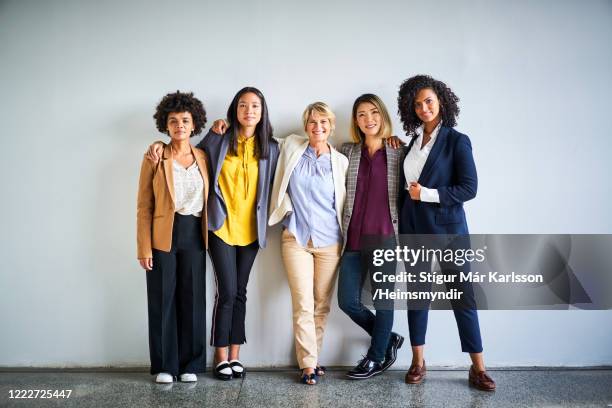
(164, 378)
(187, 377)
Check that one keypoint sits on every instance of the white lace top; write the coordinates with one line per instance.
(188, 189)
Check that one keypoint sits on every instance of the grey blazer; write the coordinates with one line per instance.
(216, 147)
(394, 163)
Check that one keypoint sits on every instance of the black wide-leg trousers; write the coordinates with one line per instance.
(176, 295)
(231, 265)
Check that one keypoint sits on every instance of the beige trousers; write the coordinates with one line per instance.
(312, 274)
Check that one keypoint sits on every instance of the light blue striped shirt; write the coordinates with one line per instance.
(311, 189)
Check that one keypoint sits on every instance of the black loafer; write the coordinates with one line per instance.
(395, 343)
(366, 368)
(241, 372)
(222, 376)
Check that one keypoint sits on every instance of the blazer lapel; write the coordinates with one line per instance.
(434, 154)
(351, 179)
(339, 195)
(222, 153)
(262, 165)
(167, 160)
(292, 161)
(392, 175)
(199, 157)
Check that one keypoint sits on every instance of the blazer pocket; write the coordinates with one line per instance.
(448, 216)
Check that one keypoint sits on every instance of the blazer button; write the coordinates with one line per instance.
(258, 207)
(395, 221)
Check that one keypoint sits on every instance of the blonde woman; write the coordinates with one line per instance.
(307, 197)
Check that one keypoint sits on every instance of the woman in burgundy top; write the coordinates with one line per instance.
(370, 211)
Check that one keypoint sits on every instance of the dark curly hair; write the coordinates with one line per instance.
(449, 110)
(180, 102)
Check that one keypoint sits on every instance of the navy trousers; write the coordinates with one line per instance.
(466, 315)
(353, 272)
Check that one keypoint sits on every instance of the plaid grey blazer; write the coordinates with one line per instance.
(395, 160)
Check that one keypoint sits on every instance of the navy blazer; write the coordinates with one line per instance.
(216, 147)
(450, 169)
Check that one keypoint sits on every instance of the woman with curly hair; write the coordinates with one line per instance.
(440, 175)
(171, 240)
(242, 169)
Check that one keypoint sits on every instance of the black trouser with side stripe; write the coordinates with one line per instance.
(232, 266)
(176, 295)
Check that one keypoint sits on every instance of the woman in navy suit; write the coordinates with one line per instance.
(440, 175)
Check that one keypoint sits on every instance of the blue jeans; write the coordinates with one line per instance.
(353, 271)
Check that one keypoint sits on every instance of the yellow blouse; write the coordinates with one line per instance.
(238, 183)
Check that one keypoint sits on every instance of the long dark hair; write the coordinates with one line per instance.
(263, 130)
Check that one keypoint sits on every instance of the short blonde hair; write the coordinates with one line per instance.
(385, 128)
(322, 109)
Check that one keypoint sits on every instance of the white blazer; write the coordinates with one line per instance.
(292, 149)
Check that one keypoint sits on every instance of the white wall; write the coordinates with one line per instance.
(80, 81)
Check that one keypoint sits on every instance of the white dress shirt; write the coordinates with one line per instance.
(415, 161)
(188, 189)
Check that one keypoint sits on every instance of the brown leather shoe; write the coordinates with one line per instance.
(481, 380)
(415, 374)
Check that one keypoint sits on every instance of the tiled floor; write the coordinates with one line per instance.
(515, 388)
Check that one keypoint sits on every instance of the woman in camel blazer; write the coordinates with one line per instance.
(172, 239)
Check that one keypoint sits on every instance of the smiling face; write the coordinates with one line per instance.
(180, 125)
(427, 105)
(249, 110)
(318, 128)
(368, 119)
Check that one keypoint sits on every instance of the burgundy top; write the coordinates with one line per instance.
(371, 213)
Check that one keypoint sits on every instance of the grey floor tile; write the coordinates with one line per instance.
(119, 390)
(441, 388)
(515, 388)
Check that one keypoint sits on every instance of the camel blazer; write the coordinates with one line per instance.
(155, 208)
(292, 149)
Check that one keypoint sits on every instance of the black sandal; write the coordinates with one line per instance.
(237, 373)
(309, 379)
(221, 366)
(320, 370)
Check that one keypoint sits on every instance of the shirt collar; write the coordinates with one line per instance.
(250, 141)
(419, 133)
(382, 151)
(310, 152)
